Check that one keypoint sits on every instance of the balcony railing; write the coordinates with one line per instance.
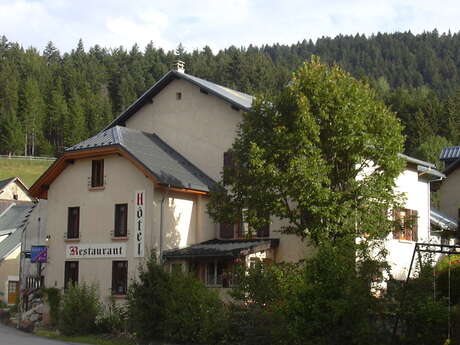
(34, 282)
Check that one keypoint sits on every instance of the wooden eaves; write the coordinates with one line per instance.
(40, 188)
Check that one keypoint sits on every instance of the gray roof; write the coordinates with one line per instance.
(417, 161)
(222, 248)
(442, 221)
(15, 218)
(167, 165)
(451, 157)
(10, 243)
(4, 183)
(450, 153)
(237, 99)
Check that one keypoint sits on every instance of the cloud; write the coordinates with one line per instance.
(219, 24)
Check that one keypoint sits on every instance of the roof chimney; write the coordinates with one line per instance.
(179, 66)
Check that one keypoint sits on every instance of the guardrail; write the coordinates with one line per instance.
(46, 158)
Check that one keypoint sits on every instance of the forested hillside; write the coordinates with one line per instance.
(50, 100)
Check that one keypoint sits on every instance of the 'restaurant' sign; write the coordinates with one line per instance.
(95, 251)
(139, 223)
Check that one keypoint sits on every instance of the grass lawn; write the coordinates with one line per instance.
(86, 339)
(28, 170)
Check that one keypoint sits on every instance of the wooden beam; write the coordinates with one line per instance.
(181, 190)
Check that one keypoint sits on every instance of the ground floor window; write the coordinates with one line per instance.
(71, 273)
(219, 273)
(176, 268)
(119, 277)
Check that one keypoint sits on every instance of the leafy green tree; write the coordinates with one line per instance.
(430, 149)
(323, 157)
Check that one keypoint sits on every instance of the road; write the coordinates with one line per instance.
(12, 336)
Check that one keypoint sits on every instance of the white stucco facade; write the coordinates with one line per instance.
(416, 193)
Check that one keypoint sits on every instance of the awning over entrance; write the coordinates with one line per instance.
(222, 249)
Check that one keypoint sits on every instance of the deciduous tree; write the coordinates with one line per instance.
(322, 157)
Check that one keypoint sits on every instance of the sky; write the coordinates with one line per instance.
(215, 23)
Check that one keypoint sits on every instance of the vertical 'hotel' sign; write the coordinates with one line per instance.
(139, 219)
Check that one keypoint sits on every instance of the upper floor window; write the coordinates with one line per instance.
(227, 231)
(97, 173)
(406, 224)
(121, 220)
(242, 230)
(73, 222)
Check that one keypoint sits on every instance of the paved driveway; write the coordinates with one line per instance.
(12, 336)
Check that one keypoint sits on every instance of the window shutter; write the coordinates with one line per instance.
(226, 231)
(398, 225)
(414, 218)
(228, 165)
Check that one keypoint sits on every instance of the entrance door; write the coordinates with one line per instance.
(13, 287)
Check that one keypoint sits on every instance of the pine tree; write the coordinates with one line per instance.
(11, 136)
(32, 111)
(57, 114)
(75, 124)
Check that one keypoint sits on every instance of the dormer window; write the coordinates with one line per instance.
(97, 173)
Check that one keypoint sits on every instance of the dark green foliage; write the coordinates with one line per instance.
(417, 74)
(333, 302)
(442, 278)
(172, 307)
(263, 284)
(423, 318)
(53, 296)
(253, 325)
(79, 311)
(324, 300)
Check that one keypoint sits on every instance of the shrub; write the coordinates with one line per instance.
(442, 278)
(176, 308)
(252, 324)
(80, 310)
(53, 296)
(112, 319)
(423, 319)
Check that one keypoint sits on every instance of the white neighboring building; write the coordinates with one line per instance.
(414, 219)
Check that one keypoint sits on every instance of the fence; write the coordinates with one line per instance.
(46, 158)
